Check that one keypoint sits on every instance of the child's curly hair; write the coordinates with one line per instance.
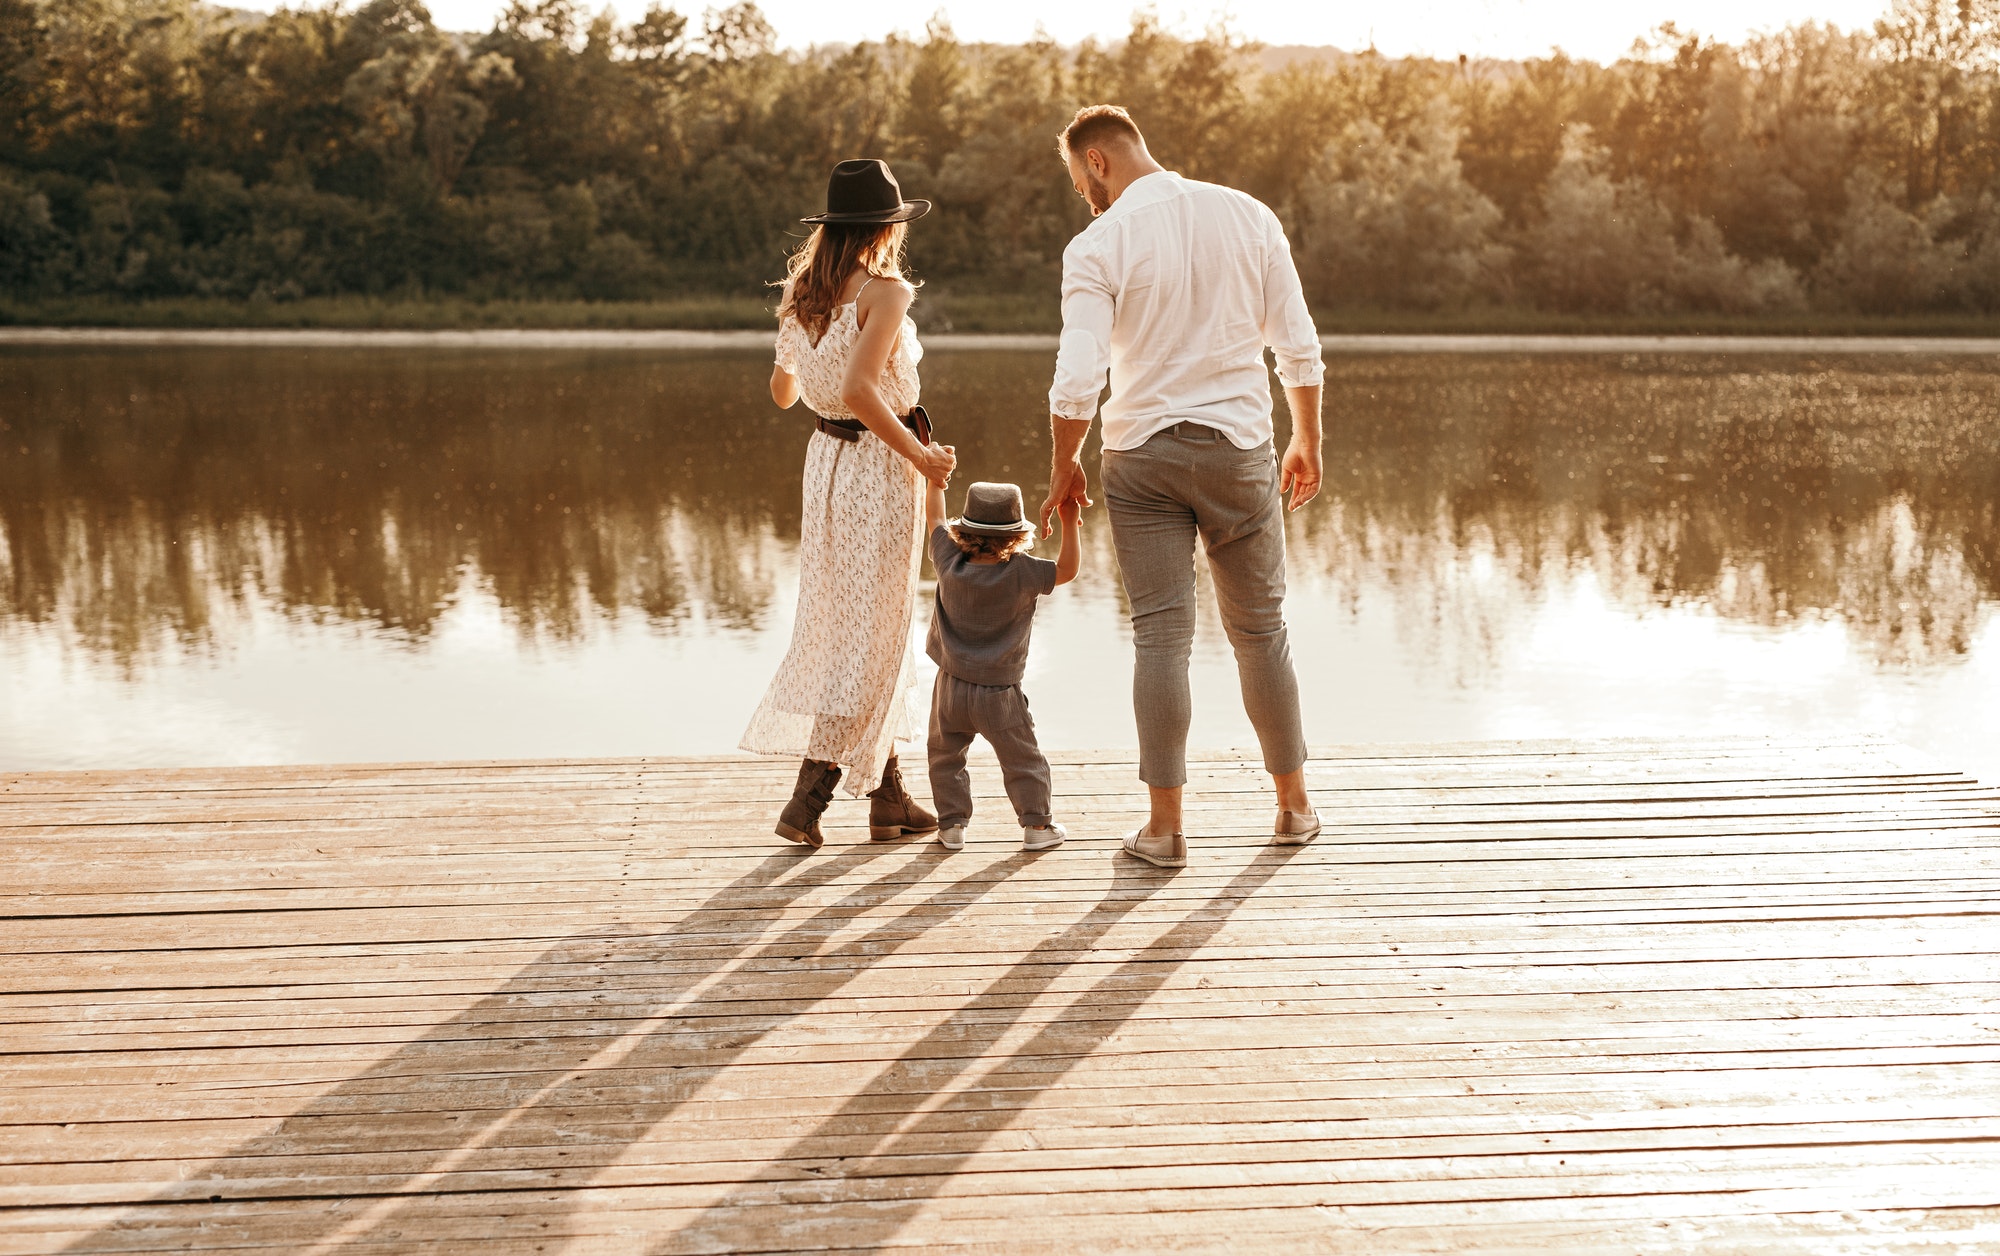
(1000, 546)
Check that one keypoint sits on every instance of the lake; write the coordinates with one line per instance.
(259, 555)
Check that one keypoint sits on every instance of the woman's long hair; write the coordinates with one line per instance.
(819, 269)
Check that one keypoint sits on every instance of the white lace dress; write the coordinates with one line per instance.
(842, 695)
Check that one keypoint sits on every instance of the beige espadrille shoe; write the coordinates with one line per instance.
(1165, 851)
(1294, 828)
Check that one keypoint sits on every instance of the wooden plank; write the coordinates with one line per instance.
(1727, 990)
(820, 1215)
(530, 1001)
(374, 1173)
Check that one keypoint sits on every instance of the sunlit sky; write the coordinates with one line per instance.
(1598, 29)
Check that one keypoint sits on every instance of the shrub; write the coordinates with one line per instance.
(1392, 224)
(34, 256)
(1605, 246)
(1884, 259)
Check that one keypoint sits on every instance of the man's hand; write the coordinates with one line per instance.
(1068, 485)
(1067, 481)
(1299, 473)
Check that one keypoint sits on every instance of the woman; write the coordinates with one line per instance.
(840, 700)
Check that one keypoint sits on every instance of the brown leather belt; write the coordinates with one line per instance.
(916, 420)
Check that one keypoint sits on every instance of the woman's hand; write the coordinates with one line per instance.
(935, 463)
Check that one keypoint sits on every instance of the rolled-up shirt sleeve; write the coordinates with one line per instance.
(1288, 325)
(1084, 354)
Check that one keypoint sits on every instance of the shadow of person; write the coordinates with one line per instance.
(475, 1104)
(852, 1185)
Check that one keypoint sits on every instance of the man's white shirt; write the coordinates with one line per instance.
(1176, 290)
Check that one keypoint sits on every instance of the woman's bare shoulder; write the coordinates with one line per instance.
(884, 296)
(885, 291)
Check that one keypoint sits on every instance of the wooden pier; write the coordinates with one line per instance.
(1527, 997)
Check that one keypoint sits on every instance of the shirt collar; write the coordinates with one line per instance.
(1142, 191)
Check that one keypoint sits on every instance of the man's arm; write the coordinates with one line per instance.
(1082, 359)
(1067, 481)
(1288, 329)
(1299, 473)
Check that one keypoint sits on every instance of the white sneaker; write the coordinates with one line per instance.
(952, 837)
(1043, 839)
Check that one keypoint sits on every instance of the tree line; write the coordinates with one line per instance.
(156, 505)
(156, 148)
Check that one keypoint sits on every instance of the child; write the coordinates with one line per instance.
(986, 591)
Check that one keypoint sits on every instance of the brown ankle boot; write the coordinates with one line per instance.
(799, 821)
(892, 812)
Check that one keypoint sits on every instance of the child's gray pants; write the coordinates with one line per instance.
(960, 711)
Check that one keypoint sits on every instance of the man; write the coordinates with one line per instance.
(1176, 289)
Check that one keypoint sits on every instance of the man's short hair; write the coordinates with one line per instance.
(1099, 127)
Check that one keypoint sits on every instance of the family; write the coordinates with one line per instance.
(1175, 290)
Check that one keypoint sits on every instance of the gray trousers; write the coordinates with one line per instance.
(1184, 482)
(961, 710)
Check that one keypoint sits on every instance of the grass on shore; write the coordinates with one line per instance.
(1515, 322)
(704, 313)
(937, 310)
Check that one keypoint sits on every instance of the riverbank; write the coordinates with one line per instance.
(944, 342)
(937, 311)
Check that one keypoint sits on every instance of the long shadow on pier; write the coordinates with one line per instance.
(893, 1174)
(444, 1115)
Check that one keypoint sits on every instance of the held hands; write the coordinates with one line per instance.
(936, 463)
(1299, 473)
(1069, 490)
(1070, 510)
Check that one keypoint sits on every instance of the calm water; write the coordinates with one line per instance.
(236, 556)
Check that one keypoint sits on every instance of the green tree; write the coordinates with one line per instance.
(1515, 122)
(1391, 222)
(156, 147)
(1933, 97)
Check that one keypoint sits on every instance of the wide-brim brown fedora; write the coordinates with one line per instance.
(863, 190)
(994, 510)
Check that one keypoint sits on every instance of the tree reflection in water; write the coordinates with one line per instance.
(1769, 489)
(149, 497)
(143, 492)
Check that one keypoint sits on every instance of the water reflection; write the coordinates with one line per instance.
(154, 502)
(156, 492)
(1769, 490)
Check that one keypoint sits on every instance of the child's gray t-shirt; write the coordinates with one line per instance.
(979, 632)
